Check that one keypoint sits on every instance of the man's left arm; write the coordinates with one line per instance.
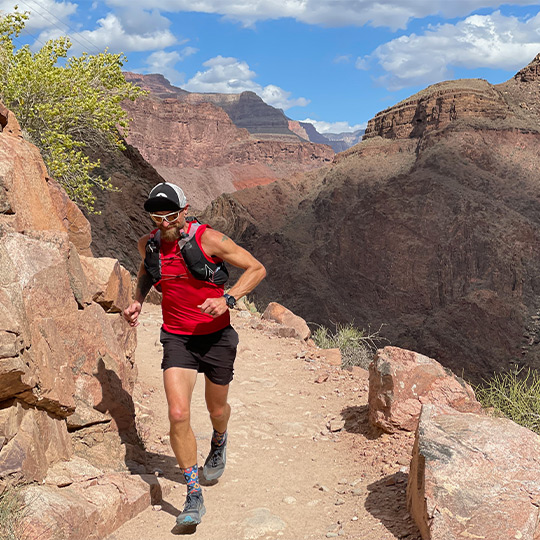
(220, 245)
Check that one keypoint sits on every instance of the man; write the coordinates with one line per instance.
(196, 332)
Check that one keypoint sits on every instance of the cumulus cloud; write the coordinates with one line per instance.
(391, 13)
(227, 75)
(165, 63)
(334, 127)
(112, 32)
(489, 41)
(43, 14)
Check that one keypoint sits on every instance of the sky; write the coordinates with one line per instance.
(335, 63)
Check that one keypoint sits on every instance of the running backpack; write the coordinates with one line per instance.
(199, 266)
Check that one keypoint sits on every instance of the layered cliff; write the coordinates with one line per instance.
(429, 227)
(195, 143)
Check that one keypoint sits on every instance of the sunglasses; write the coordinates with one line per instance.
(169, 218)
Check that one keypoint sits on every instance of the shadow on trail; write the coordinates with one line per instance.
(356, 421)
(387, 502)
(119, 404)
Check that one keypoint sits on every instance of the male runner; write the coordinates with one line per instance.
(196, 332)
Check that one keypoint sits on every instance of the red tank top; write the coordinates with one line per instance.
(182, 293)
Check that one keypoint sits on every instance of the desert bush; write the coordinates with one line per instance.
(65, 104)
(11, 513)
(514, 395)
(357, 346)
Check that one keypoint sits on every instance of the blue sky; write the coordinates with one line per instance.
(333, 62)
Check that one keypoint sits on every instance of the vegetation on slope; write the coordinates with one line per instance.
(357, 346)
(65, 104)
(515, 395)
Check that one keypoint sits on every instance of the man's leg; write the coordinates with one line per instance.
(179, 384)
(220, 412)
(216, 403)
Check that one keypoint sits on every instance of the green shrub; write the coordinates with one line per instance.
(515, 395)
(357, 346)
(65, 105)
(11, 513)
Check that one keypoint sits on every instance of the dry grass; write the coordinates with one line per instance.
(356, 345)
(11, 513)
(515, 395)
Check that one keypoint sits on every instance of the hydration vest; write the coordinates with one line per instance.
(199, 266)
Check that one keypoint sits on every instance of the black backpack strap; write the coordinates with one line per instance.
(152, 258)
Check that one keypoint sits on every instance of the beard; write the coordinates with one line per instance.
(172, 232)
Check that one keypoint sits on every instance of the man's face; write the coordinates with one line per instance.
(170, 223)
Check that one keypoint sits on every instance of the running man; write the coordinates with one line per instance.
(186, 259)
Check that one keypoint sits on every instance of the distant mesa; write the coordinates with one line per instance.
(247, 110)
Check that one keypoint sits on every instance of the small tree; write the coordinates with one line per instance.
(65, 109)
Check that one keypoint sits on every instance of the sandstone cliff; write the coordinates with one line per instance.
(429, 227)
(66, 357)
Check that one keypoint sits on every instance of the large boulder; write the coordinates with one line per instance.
(294, 326)
(400, 381)
(474, 476)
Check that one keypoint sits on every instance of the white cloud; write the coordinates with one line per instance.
(233, 76)
(112, 33)
(164, 62)
(489, 41)
(334, 127)
(392, 13)
(343, 59)
(43, 14)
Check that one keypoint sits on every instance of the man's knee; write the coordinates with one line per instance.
(218, 411)
(179, 414)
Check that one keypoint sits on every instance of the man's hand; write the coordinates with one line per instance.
(131, 313)
(214, 306)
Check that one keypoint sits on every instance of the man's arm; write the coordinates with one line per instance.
(144, 284)
(219, 245)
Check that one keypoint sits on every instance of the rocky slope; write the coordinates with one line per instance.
(429, 227)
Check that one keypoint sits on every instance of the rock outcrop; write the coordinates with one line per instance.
(436, 107)
(401, 381)
(474, 476)
(66, 355)
(429, 227)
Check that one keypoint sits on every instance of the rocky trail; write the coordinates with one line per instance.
(302, 461)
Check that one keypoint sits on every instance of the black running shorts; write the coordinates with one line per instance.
(211, 354)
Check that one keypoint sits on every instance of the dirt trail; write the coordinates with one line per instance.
(289, 475)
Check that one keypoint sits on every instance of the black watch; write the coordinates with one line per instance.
(230, 300)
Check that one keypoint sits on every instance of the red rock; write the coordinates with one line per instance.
(34, 440)
(91, 510)
(76, 224)
(474, 476)
(110, 283)
(280, 314)
(332, 356)
(23, 186)
(400, 381)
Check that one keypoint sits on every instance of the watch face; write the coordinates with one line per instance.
(231, 300)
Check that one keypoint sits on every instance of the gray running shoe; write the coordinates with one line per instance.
(193, 511)
(215, 462)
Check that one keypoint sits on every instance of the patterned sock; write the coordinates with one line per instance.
(218, 438)
(191, 475)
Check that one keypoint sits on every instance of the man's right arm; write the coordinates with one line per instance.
(144, 284)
